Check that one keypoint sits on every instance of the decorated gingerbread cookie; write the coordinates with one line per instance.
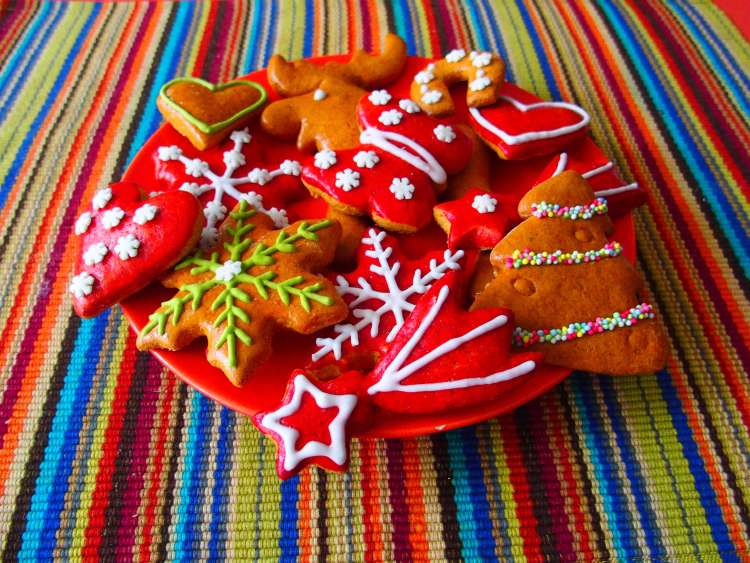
(483, 73)
(126, 241)
(520, 126)
(237, 170)
(207, 113)
(444, 357)
(575, 298)
(405, 156)
(381, 293)
(239, 293)
(585, 158)
(476, 220)
(319, 102)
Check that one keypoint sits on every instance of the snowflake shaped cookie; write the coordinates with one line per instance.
(382, 292)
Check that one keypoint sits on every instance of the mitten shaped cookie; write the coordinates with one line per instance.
(574, 296)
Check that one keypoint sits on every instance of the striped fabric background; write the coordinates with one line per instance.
(104, 455)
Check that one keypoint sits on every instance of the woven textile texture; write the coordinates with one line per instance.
(105, 455)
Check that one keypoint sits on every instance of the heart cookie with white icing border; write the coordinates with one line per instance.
(126, 242)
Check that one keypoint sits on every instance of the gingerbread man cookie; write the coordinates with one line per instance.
(319, 102)
(482, 71)
(238, 294)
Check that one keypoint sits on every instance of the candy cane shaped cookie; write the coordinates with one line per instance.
(483, 73)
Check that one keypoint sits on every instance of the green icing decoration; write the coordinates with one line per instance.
(262, 256)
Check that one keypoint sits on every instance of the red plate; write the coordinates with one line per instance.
(265, 388)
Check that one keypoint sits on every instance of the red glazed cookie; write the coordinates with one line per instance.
(254, 282)
(381, 293)
(446, 358)
(312, 424)
(483, 73)
(473, 221)
(575, 298)
(320, 100)
(405, 156)
(126, 242)
(206, 113)
(520, 126)
(585, 158)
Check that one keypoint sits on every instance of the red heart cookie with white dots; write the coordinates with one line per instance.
(127, 241)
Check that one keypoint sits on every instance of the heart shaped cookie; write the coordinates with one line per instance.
(517, 127)
(206, 113)
(126, 241)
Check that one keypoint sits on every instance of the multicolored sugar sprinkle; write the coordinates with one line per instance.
(526, 257)
(544, 209)
(523, 338)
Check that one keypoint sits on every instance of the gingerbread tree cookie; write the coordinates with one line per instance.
(254, 282)
(574, 296)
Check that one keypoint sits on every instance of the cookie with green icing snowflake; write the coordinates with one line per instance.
(254, 282)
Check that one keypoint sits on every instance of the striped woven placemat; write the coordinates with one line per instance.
(104, 455)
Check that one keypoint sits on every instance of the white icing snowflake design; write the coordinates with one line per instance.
(95, 253)
(347, 179)
(444, 133)
(379, 97)
(145, 213)
(325, 159)
(101, 198)
(402, 188)
(83, 222)
(112, 217)
(484, 203)
(424, 77)
(455, 55)
(391, 117)
(127, 247)
(394, 301)
(82, 285)
(432, 96)
(226, 183)
(409, 106)
(366, 159)
(479, 83)
(480, 60)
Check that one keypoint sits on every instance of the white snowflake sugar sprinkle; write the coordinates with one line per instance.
(95, 253)
(409, 106)
(391, 117)
(112, 217)
(145, 213)
(82, 223)
(325, 159)
(379, 97)
(366, 159)
(484, 203)
(444, 133)
(82, 285)
(347, 179)
(402, 188)
(127, 247)
(432, 96)
(101, 198)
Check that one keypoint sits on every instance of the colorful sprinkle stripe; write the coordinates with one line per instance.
(523, 337)
(526, 257)
(543, 210)
(104, 455)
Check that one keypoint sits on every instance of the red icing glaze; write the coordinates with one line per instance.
(162, 242)
(482, 356)
(585, 157)
(539, 117)
(471, 229)
(373, 191)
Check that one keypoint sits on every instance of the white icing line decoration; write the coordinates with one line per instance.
(396, 371)
(422, 160)
(336, 451)
(562, 163)
(395, 301)
(530, 136)
(226, 183)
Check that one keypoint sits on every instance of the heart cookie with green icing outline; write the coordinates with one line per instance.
(206, 113)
